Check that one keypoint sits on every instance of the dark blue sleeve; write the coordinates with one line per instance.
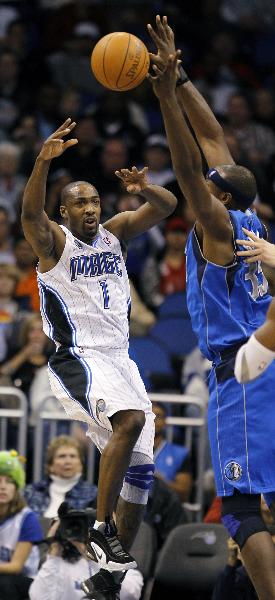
(31, 529)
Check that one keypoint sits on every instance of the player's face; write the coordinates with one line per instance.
(216, 191)
(83, 212)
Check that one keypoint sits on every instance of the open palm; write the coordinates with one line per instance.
(54, 145)
(134, 181)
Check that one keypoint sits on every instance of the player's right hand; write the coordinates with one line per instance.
(54, 145)
(163, 36)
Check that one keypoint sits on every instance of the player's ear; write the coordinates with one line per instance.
(63, 211)
(226, 197)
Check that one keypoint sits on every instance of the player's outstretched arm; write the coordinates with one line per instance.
(257, 354)
(186, 158)
(38, 229)
(257, 249)
(160, 203)
(208, 131)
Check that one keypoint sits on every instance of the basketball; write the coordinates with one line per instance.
(120, 61)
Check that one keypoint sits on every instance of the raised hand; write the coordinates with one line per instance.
(256, 249)
(54, 145)
(163, 37)
(164, 82)
(133, 180)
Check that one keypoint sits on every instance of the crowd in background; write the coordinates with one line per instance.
(228, 50)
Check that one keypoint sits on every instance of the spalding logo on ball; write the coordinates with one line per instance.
(120, 61)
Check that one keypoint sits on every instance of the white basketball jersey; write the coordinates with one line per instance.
(85, 298)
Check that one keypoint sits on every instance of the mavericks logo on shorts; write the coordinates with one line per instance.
(233, 471)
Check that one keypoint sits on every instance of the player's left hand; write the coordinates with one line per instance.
(256, 249)
(164, 82)
(133, 180)
(163, 37)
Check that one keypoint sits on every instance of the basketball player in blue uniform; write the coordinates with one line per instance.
(85, 303)
(228, 301)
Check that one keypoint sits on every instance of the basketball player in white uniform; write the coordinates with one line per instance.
(85, 303)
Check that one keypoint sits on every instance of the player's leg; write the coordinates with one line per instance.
(115, 459)
(128, 520)
(104, 543)
(242, 517)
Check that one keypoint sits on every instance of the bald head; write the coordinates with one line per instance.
(77, 189)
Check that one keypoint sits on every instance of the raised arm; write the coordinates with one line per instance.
(45, 236)
(186, 158)
(160, 203)
(208, 131)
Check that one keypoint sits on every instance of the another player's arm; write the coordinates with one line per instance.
(160, 203)
(208, 131)
(258, 249)
(44, 235)
(256, 355)
(186, 159)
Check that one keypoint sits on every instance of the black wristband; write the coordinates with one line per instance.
(183, 78)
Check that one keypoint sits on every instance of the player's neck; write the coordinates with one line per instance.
(86, 240)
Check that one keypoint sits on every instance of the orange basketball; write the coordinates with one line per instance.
(120, 61)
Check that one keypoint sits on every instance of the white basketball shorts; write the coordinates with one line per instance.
(94, 385)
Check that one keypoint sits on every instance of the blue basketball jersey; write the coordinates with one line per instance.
(226, 304)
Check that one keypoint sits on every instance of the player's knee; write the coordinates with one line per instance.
(138, 479)
(241, 515)
(129, 422)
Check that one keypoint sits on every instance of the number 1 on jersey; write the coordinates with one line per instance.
(105, 293)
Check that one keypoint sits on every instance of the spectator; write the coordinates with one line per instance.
(172, 462)
(46, 103)
(167, 274)
(11, 182)
(264, 109)
(233, 583)
(9, 309)
(157, 158)
(66, 568)
(114, 156)
(19, 529)
(118, 116)
(142, 245)
(256, 140)
(27, 289)
(82, 162)
(6, 241)
(57, 182)
(13, 93)
(70, 66)
(64, 480)
(141, 318)
(164, 510)
(25, 134)
(33, 354)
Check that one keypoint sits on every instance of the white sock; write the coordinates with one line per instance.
(97, 524)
